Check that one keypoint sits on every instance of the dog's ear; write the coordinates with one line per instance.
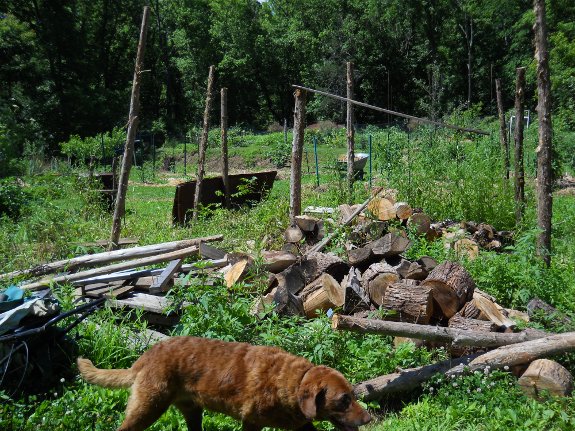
(310, 401)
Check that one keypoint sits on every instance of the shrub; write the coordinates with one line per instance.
(13, 198)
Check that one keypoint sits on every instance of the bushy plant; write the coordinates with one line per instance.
(13, 198)
(88, 148)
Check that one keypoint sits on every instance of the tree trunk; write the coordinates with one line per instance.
(502, 127)
(544, 149)
(224, 137)
(438, 334)
(519, 165)
(133, 120)
(296, 154)
(203, 144)
(350, 133)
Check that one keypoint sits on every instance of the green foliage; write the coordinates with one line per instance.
(100, 146)
(13, 198)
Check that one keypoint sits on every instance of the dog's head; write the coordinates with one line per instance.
(324, 394)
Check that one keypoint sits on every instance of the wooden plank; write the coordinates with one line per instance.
(163, 281)
(209, 252)
(143, 301)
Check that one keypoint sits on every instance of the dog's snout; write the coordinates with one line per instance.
(366, 418)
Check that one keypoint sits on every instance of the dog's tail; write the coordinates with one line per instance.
(122, 378)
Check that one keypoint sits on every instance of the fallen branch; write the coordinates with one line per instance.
(405, 380)
(521, 353)
(89, 260)
(112, 268)
(457, 337)
(320, 245)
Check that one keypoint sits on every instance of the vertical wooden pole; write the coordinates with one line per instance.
(224, 131)
(545, 130)
(350, 133)
(203, 144)
(502, 127)
(296, 154)
(518, 137)
(133, 119)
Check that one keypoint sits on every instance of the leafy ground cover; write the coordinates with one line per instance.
(450, 176)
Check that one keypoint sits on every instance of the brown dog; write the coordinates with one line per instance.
(260, 386)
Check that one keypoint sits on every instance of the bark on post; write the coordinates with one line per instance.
(203, 144)
(502, 127)
(350, 132)
(224, 132)
(518, 136)
(133, 121)
(544, 149)
(296, 154)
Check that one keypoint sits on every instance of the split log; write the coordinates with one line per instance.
(287, 304)
(516, 315)
(451, 286)
(405, 380)
(439, 334)
(376, 279)
(355, 298)
(90, 260)
(236, 272)
(315, 264)
(306, 223)
(546, 375)
(112, 268)
(291, 278)
(416, 272)
(403, 210)
(400, 265)
(382, 208)
(420, 222)
(466, 247)
(408, 303)
(360, 256)
(263, 303)
(520, 353)
(322, 294)
(483, 308)
(390, 245)
(277, 261)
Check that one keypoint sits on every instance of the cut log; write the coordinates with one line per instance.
(112, 268)
(376, 279)
(315, 264)
(110, 256)
(466, 247)
(383, 209)
(403, 210)
(516, 315)
(546, 375)
(459, 322)
(355, 298)
(400, 264)
(306, 223)
(427, 262)
(390, 245)
(263, 304)
(420, 223)
(277, 261)
(439, 334)
(293, 234)
(407, 303)
(416, 272)
(360, 256)
(322, 294)
(488, 310)
(451, 286)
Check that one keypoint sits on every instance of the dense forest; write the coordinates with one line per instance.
(66, 66)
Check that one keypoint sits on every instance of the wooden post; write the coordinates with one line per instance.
(518, 137)
(203, 144)
(350, 132)
(224, 126)
(296, 154)
(502, 126)
(133, 120)
(544, 149)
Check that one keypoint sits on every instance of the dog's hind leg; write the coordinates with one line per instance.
(192, 414)
(146, 404)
